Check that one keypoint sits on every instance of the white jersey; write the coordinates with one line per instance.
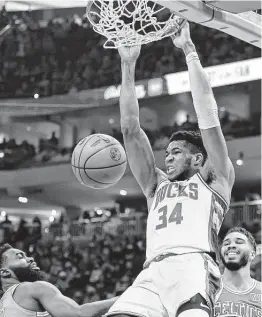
(184, 217)
(9, 308)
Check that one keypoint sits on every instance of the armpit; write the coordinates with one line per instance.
(153, 190)
(208, 173)
(161, 176)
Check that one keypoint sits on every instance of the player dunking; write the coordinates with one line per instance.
(28, 295)
(186, 205)
(241, 295)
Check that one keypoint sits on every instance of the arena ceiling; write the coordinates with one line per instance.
(25, 5)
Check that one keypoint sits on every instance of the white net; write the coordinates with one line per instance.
(131, 22)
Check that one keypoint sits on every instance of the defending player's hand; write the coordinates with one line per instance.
(183, 37)
(129, 54)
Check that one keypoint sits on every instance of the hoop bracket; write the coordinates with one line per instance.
(233, 24)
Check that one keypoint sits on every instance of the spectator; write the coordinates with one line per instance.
(36, 233)
(6, 225)
(22, 233)
(78, 297)
(53, 140)
(54, 58)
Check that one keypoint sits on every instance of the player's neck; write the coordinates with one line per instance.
(184, 177)
(238, 280)
(9, 283)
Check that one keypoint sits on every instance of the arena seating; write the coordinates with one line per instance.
(104, 266)
(25, 155)
(65, 54)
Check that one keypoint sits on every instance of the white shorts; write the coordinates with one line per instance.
(164, 286)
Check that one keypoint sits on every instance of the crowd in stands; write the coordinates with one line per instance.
(13, 155)
(100, 268)
(28, 232)
(103, 269)
(65, 54)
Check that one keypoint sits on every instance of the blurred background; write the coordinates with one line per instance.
(57, 85)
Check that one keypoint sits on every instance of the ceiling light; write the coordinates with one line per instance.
(123, 192)
(240, 160)
(99, 212)
(23, 200)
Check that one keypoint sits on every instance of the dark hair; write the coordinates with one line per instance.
(3, 248)
(246, 233)
(193, 139)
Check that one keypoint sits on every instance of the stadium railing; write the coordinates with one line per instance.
(239, 213)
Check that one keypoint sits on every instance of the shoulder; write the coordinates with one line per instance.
(218, 182)
(211, 175)
(23, 290)
(38, 288)
(23, 287)
(42, 284)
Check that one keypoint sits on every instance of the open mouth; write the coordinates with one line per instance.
(170, 169)
(34, 267)
(232, 253)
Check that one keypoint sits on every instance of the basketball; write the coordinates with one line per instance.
(99, 161)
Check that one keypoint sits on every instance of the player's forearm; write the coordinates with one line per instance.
(97, 308)
(199, 83)
(128, 102)
(203, 98)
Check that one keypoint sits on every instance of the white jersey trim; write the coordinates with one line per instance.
(120, 312)
(241, 292)
(212, 190)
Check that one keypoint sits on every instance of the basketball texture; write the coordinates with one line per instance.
(99, 161)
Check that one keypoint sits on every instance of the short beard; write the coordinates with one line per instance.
(235, 266)
(26, 274)
(186, 171)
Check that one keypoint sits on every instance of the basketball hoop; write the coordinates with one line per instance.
(131, 22)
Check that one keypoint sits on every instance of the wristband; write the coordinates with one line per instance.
(191, 56)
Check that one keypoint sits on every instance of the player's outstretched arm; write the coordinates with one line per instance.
(139, 152)
(206, 109)
(58, 305)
